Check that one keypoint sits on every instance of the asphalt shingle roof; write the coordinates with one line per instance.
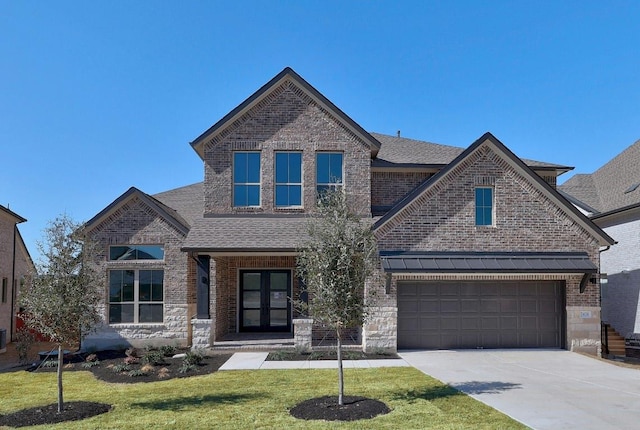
(238, 233)
(188, 201)
(605, 189)
(401, 150)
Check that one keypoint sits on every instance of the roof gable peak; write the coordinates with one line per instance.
(287, 74)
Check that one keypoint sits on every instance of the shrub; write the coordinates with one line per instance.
(24, 341)
(168, 350)
(90, 364)
(153, 357)
(136, 373)
(132, 352)
(49, 364)
(186, 367)
(91, 358)
(118, 368)
(193, 358)
(279, 355)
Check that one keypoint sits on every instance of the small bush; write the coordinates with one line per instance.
(168, 350)
(148, 368)
(119, 368)
(153, 357)
(91, 358)
(136, 373)
(24, 341)
(132, 352)
(90, 364)
(193, 358)
(164, 373)
(186, 367)
(280, 355)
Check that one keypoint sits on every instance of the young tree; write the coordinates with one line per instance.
(334, 265)
(61, 300)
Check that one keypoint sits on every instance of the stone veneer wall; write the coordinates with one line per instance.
(135, 223)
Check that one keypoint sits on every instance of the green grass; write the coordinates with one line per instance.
(257, 399)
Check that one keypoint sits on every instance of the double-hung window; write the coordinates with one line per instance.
(246, 179)
(288, 174)
(328, 171)
(136, 295)
(484, 206)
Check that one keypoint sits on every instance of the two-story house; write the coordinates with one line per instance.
(15, 266)
(478, 248)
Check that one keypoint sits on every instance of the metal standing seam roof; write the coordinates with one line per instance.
(556, 262)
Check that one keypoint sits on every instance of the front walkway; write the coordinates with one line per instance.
(543, 389)
(256, 360)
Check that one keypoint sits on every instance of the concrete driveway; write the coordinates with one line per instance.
(543, 389)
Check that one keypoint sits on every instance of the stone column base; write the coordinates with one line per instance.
(380, 332)
(583, 329)
(303, 334)
(201, 337)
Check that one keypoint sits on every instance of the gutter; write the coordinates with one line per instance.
(13, 283)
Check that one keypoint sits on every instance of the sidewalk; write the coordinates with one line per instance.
(256, 360)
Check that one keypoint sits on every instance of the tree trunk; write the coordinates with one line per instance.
(60, 363)
(340, 371)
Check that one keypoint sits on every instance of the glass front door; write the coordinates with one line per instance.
(264, 300)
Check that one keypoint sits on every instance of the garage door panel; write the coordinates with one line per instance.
(446, 315)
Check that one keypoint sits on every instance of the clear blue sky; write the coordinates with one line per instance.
(99, 96)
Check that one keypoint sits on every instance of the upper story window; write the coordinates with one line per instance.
(288, 192)
(246, 179)
(484, 206)
(328, 171)
(136, 252)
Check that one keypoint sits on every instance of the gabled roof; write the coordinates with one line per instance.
(167, 213)
(403, 152)
(286, 74)
(188, 201)
(488, 139)
(12, 214)
(613, 186)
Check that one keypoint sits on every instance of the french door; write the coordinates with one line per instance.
(264, 300)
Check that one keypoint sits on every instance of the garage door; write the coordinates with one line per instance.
(450, 315)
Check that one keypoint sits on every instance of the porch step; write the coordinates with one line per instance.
(615, 342)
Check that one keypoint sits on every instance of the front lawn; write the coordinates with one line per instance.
(254, 399)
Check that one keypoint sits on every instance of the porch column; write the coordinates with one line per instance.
(202, 287)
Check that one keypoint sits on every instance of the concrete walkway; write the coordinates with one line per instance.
(256, 360)
(544, 389)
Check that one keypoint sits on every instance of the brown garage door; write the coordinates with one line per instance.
(450, 315)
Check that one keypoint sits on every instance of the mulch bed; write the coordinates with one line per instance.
(327, 408)
(169, 369)
(72, 411)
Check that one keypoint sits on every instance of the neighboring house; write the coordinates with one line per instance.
(611, 197)
(15, 266)
(479, 249)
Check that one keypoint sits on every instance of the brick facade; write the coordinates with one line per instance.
(287, 120)
(136, 223)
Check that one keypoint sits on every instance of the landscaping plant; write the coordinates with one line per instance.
(334, 264)
(61, 299)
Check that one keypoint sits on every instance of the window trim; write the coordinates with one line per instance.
(246, 184)
(136, 297)
(333, 185)
(482, 222)
(276, 183)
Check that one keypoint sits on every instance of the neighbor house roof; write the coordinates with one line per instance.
(482, 262)
(615, 185)
(286, 74)
(7, 211)
(247, 234)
